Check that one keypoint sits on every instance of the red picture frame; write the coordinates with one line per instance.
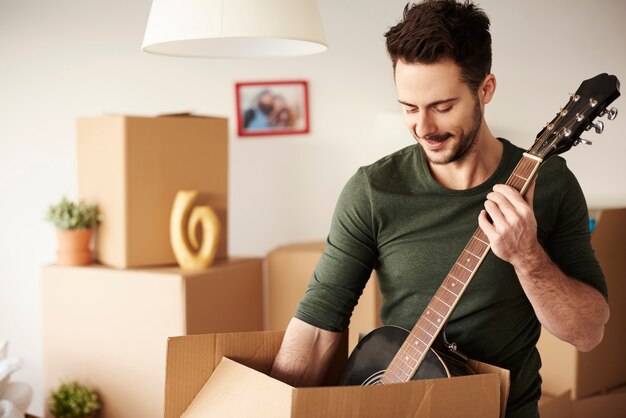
(272, 108)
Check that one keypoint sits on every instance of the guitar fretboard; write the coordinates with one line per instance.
(429, 325)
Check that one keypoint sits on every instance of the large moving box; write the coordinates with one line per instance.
(289, 269)
(584, 374)
(232, 388)
(109, 328)
(132, 167)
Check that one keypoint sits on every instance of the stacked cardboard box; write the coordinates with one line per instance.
(109, 328)
(289, 269)
(107, 324)
(132, 167)
(611, 404)
(575, 380)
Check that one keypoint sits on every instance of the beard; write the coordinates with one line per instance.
(465, 144)
(266, 108)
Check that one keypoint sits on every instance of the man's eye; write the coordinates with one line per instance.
(443, 109)
(411, 110)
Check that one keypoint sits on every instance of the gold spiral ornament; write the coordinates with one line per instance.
(184, 221)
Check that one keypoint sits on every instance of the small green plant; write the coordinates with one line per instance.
(70, 215)
(73, 400)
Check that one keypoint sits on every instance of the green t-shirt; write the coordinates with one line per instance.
(392, 216)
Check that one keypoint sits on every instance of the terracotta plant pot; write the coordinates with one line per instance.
(74, 247)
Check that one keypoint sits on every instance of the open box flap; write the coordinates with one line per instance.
(505, 380)
(192, 359)
(234, 390)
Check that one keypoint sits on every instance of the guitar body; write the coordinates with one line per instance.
(376, 350)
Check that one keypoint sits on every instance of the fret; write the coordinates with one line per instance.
(452, 285)
(430, 334)
(439, 306)
(463, 267)
(518, 176)
(476, 247)
(404, 369)
(468, 260)
(524, 170)
(429, 320)
(442, 301)
(399, 376)
(408, 355)
(433, 316)
(430, 327)
(416, 344)
(398, 373)
(408, 362)
(413, 348)
(448, 297)
(459, 273)
(422, 336)
(479, 235)
(392, 376)
(517, 185)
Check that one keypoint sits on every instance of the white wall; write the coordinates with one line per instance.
(69, 58)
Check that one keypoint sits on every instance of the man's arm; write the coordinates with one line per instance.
(570, 309)
(305, 354)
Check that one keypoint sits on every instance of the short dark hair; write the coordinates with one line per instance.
(434, 30)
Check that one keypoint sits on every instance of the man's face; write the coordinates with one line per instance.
(266, 103)
(443, 114)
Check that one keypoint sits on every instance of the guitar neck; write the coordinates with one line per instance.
(412, 353)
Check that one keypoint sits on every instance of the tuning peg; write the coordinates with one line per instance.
(583, 141)
(598, 125)
(612, 113)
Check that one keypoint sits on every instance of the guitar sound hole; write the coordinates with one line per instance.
(374, 379)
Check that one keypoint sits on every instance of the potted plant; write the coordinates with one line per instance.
(75, 223)
(73, 400)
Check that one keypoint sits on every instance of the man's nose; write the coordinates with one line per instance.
(425, 125)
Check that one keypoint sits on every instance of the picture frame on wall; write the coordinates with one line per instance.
(272, 108)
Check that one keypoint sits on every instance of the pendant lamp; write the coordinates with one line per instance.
(234, 28)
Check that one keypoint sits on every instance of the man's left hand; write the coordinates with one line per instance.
(509, 222)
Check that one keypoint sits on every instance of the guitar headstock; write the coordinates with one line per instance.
(589, 102)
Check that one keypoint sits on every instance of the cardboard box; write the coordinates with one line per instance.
(551, 406)
(236, 388)
(289, 269)
(109, 328)
(608, 405)
(132, 167)
(585, 374)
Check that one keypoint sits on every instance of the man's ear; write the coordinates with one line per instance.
(487, 89)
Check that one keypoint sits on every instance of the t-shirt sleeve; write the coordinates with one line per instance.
(570, 244)
(346, 263)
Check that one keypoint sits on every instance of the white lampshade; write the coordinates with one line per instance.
(234, 28)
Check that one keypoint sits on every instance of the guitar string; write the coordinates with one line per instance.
(560, 116)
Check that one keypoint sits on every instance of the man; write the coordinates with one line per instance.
(258, 117)
(410, 214)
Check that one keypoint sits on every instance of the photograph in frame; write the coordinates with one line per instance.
(272, 108)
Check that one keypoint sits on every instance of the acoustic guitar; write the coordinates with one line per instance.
(394, 355)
